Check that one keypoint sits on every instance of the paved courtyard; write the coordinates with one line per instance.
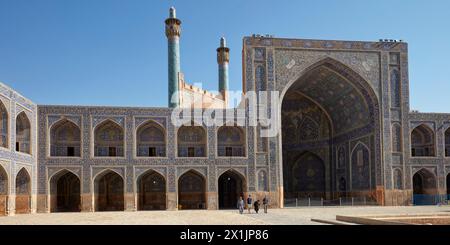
(288, 216)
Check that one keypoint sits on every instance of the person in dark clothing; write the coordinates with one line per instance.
(249, 203)
(265, 204)
(256, 206)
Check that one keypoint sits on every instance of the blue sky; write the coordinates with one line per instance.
(114, 52)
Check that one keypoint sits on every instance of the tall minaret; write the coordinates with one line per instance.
(223, 58)
(173, 31)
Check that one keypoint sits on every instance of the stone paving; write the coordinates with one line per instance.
(287, 216)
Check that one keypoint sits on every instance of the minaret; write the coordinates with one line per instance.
(223, 58)
(173, 31)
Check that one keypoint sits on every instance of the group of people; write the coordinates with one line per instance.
(250, 204)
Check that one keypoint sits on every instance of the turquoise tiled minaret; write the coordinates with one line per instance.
(223, 58)
(173, 31)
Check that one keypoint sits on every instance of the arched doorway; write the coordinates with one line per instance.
(65, 139)
(151, 140)
(191, 191)
(3, 191)
(422, 141)
(360, 168)
(109, 191)
(191, 141)
(151, 191)
(230, 141)
(424, 188)
(447, 142)
(23, 133)
(23, 192)
(231, 187)
(109, 140)
(65, 194)
(4, 131)
(324, 114)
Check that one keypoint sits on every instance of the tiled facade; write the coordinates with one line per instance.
(384, 68)
(130, 166)
(366, 98)
(12, 161)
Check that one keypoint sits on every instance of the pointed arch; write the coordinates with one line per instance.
(4, 191)
(65, 139)
(231, 141)
(352, 104)
(447, 142)
(363, 88)
(151, 140)
(396, 134)
(3, 182)
(151, 191)
(231, 186)
(23, 182)
(107, 170)
(192, 141)
(360, 167)
(65, 192)
(4, 126)
(191, 190)
(23, 133)
(109, 188)
(359, 144)
(263, 180)
(151, 170)
(196, 171)
(423, 141)
(361, 84)
(23, 192)
(109, 139)
(239, 174)
(424, 187)
(63, 171)
(424, 182)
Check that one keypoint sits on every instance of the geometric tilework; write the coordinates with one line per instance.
(353, 112)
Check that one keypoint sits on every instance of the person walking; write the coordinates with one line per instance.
(241, 205)
(265, 204)
(256, 206)
(249, 203)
